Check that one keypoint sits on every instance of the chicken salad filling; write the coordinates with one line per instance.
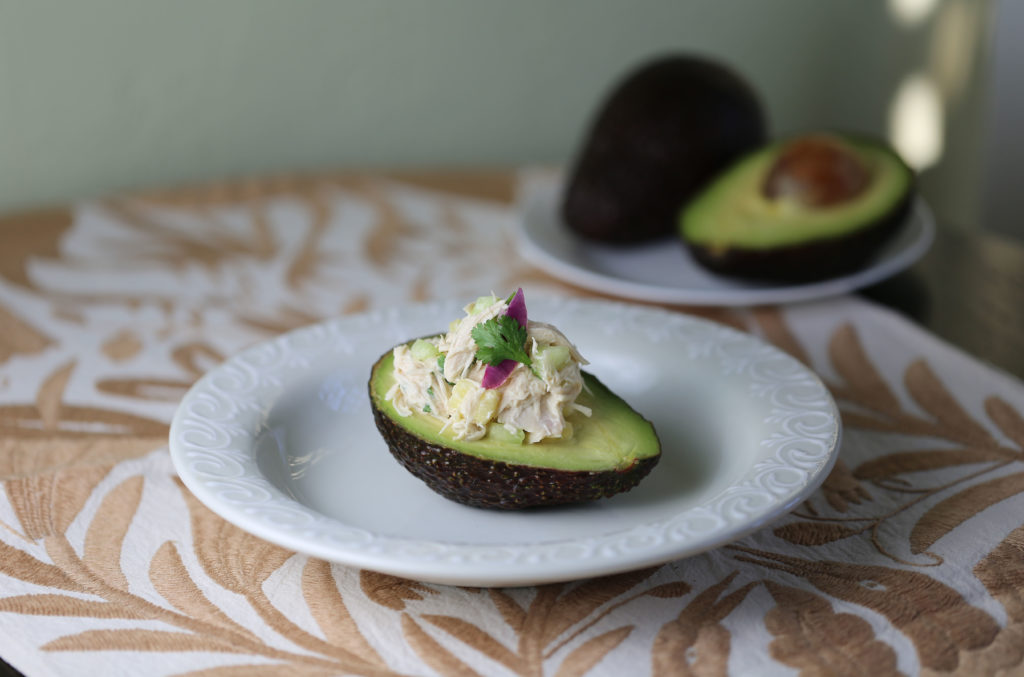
(493, 374)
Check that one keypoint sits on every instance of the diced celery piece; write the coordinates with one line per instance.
(568, 431)
(499, 433)
(453, 326)
(459, 392)
(482, 303)
(424, 350)
(553, 357)
(486, 407)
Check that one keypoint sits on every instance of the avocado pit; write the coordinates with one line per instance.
(817, 171)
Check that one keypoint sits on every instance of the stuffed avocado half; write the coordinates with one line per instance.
(497, 417)
(802, 209)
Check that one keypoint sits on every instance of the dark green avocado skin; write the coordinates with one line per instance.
(811, 261)
(485, 483)
(661, 134)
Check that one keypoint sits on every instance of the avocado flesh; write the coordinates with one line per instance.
(610, 452)
(734, 229)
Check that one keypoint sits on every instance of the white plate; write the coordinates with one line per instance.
(280, 441)
(664, 271)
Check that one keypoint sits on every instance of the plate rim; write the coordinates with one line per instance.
(542, 193)
(431, 568)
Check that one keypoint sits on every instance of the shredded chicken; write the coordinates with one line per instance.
(531, 404)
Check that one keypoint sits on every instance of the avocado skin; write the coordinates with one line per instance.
(816, 258)
(663, 132)
(484, 483)
(809, 262)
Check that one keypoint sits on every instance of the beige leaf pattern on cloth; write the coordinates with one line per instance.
(957, 509)
(814, 533)
(45, 504)
(926, 388)
(513, 614)
(233, 558)
(492, 186)
(432, 652)
(864, 384)
(104, 540)
(272, 670)
(901, 463)
(696, 643)
(586, 598)
(19, 337)
(939, 621)
(325, 602)
(285, 318)
(391, 591)
(774, 328)
(122, 346)
(48, 399)
(590, 653)
(242, 563)
(480, 640)
(1002, 574)
(812, 637)
(79, 423)
(842, 487)
(1007, 418)
(64, 605)
(25, 567)
(109, 311)
(945, 419)
(171, 579)
(33, 456)
(541, 625)
(391, 228)
(309, 257)
(50, 416)
(174, 247)
(29, 236)
(138, 640)
(193, 358)
(204, 626)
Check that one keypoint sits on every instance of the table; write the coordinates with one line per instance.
(907, 560)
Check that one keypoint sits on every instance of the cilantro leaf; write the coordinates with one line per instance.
(499, 339)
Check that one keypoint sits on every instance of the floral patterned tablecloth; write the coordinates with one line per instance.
(910, 558)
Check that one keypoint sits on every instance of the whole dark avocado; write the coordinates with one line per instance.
(662, 133)
(609, 453)
(801, 209)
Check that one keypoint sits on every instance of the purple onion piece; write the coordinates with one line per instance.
(495, 376)
(517, 307)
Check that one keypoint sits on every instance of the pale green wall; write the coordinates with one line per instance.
(102, 95)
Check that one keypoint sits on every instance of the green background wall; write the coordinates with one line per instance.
(99, 96)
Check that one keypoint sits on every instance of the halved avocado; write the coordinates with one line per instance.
(800, 210)
(609, 452)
